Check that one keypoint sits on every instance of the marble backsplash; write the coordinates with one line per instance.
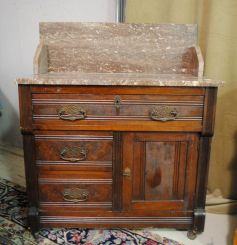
(120, 48)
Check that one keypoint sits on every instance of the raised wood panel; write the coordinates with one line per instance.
(158, 171)
(161, 170)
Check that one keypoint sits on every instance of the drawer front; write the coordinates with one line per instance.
(73, 150)
(92, 109)
(75, 191)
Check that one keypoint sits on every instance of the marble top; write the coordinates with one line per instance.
(119, 79)
(118, 48)
(118, 54)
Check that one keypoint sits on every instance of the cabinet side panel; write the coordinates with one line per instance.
(209, 111)
(31, 180)
(201, 186)
(25, 104)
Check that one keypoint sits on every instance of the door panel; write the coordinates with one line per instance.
(162, 166)
(159, 166)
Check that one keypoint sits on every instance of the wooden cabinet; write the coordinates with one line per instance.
(117, 126)
(111, 162)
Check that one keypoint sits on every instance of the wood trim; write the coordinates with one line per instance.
(31, 174)
(176, 169)
(209, 111)
(111, 102)
(30, 170)
(25, 104)
(117, 171)
(115, 220)
(61, 205)
(81, 163)
(174, 126)
(162, 205)
(118, 90)
(71, 137)
(120, 118)
(74, 181)
(182, 169)
(202, 174)
(201, 185)
(127, 163)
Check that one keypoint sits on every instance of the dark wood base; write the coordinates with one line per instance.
(33, 220)
(194, 225)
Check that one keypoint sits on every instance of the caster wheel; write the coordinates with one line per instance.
(192, 234)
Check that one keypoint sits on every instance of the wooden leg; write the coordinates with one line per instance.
(33, 220)
(198, 224)
(199, 220)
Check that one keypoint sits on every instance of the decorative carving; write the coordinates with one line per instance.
(75, 195)
(73, 153)
(71, 112)
(163, 113)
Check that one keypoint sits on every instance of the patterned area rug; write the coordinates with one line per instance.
(14, 231)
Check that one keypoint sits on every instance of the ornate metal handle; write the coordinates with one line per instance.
(163, 113)
(71, 113)
(75, 195)
(74, 153)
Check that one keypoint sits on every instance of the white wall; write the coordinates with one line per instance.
(19, 36)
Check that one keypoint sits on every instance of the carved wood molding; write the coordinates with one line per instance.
(64, 204)
(115, 220)
(64, 137)
(81, 163)
(74, 181)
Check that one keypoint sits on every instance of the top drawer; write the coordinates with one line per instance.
(117, 109)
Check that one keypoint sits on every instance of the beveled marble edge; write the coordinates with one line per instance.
(120, 79)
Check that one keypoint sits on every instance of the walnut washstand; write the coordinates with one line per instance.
(117, 124)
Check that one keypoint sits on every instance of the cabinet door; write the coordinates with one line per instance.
(159, 171)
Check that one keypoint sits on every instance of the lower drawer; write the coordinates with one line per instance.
(70, 191)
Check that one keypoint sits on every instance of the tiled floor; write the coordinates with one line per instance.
(219, 228)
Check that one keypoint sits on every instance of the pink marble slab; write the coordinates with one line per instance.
(119, 48)
(122, 79)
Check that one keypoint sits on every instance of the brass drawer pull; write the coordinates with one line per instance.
(75, 195)
(71, 113)
(73, 154)
(163, 113)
